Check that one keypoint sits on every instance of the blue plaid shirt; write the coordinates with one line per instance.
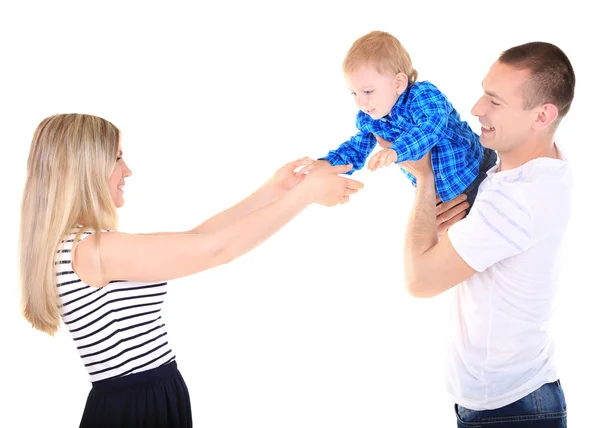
(422, 120)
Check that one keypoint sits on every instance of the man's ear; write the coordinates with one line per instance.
(401, 82)
(546, 115)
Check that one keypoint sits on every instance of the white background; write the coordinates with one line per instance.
(314, 328)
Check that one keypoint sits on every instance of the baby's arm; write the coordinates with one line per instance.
(356, 150)
(411, 145)
(415, 144)
(429, 111)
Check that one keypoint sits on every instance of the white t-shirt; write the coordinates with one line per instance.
(500, 348)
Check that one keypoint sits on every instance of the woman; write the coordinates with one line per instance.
(108, 286)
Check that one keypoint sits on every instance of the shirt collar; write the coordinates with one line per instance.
(402, 100)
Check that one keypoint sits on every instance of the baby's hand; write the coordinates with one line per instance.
(385, 157)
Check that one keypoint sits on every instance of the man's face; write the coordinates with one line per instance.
(505, 124)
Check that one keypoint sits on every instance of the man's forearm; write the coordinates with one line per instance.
(421, 232)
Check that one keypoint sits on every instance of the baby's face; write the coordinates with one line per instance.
(374, 93)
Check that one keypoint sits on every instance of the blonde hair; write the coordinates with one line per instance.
(381, 50)
(70, 161)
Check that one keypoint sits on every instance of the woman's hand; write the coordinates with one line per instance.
(325, 187)
(286, 177)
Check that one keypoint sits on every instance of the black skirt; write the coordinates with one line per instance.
(156, 398)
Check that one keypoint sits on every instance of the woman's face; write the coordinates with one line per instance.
(117, 179)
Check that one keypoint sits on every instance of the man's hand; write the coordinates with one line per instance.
(420, 168)
(385, 157)
(383, 143)
(449, 213)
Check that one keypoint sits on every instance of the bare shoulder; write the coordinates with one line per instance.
(86, 261)
(110, 256)
(91, 254)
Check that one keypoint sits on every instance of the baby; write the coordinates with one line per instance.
(409, 119)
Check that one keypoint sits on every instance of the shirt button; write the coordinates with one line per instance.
(439, 175)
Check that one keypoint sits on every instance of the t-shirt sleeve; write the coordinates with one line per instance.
(499, 226)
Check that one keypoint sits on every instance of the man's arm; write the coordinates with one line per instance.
(501, 225)
(431, 266)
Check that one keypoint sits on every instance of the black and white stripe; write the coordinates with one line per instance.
(118, 329)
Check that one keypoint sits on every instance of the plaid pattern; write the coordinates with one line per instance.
(422, 120)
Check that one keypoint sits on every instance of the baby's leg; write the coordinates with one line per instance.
(489, 160)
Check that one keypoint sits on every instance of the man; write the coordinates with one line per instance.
(500, 261)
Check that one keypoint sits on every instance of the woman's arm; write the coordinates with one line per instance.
(122, 256)
(284, 179)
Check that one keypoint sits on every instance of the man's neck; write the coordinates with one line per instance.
(528, 151)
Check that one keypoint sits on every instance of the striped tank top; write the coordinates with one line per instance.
(117, 328)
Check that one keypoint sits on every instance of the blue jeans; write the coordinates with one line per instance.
(543, 408)
(489, 160)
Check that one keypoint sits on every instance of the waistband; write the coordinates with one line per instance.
(137, 379)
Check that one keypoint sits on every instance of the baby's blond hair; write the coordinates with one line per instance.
(383, 51)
